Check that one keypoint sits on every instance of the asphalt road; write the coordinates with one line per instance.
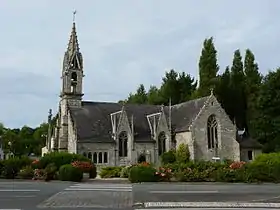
(32, 195)
(207, 192)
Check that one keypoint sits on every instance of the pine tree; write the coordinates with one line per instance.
(208, 68)
(253, 80)
(237, 84)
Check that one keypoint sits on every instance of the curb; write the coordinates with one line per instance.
(209, 205)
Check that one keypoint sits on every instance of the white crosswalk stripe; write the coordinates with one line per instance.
(100, 187)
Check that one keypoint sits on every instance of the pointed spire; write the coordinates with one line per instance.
(73, 45)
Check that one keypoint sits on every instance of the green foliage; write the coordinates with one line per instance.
(266, 125)
(183, 153)
(141, 173)
(125, 171)
(26, 172)
(69, 173)
(60, 158)
(93, 172)
(208, 67)
(168, 157)
(13, 165)
(50, 172)
(111, 172)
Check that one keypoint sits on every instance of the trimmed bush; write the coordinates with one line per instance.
(26, 172)
(111, 171)
(142, 173)
(93, 173)
(69, 173)
(60, 159)
(168, 157)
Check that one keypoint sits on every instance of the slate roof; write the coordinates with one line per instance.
(246, 142)
(93, 120)
(183, 114)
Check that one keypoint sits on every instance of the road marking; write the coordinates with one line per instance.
(10, 209)
(19, 190)
(182, 192)
(96, 189)
(210, 205)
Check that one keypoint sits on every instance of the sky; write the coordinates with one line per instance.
(124, 43)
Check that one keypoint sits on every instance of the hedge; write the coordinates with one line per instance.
(69, 173)
(111, 171)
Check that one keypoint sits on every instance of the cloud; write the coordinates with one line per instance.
(124, 43)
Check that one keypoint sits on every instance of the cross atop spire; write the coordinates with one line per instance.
(74, 15)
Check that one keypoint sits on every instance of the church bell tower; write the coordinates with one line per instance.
(72, 72)
(72, 87)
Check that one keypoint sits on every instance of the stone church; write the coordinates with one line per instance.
(119, 134)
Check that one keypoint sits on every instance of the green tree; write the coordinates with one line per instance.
(208, 68)
(153, 96)
(140, 97)
(224, 92)
(237, 85)
(267, 124)
(253, 80)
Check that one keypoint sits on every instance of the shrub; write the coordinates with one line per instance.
(26, 172)
(164, 174)
(168, 157)
(35, 164)
(183, 153)
(60, 158)
(93, 173)
(84, 166)
(142, 173)
(50, 172)
(111, 172)
(13, 165)
(69, 173)
(39, 174)
(125, 171)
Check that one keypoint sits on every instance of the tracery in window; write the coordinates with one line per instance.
(123, 140)
(161, 143)
(212, 132)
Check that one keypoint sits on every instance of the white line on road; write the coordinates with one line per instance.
(19, 190)
(182, 192)
(97, 189)
(210, 205)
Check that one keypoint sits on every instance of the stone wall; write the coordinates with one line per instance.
(228, 147)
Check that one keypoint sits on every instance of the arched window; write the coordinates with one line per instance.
(100, 157)
(105, 157)
(90, 156)
(212, 132)
(85, 154)
(95, 157)
(123, 144)
(161, 143)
